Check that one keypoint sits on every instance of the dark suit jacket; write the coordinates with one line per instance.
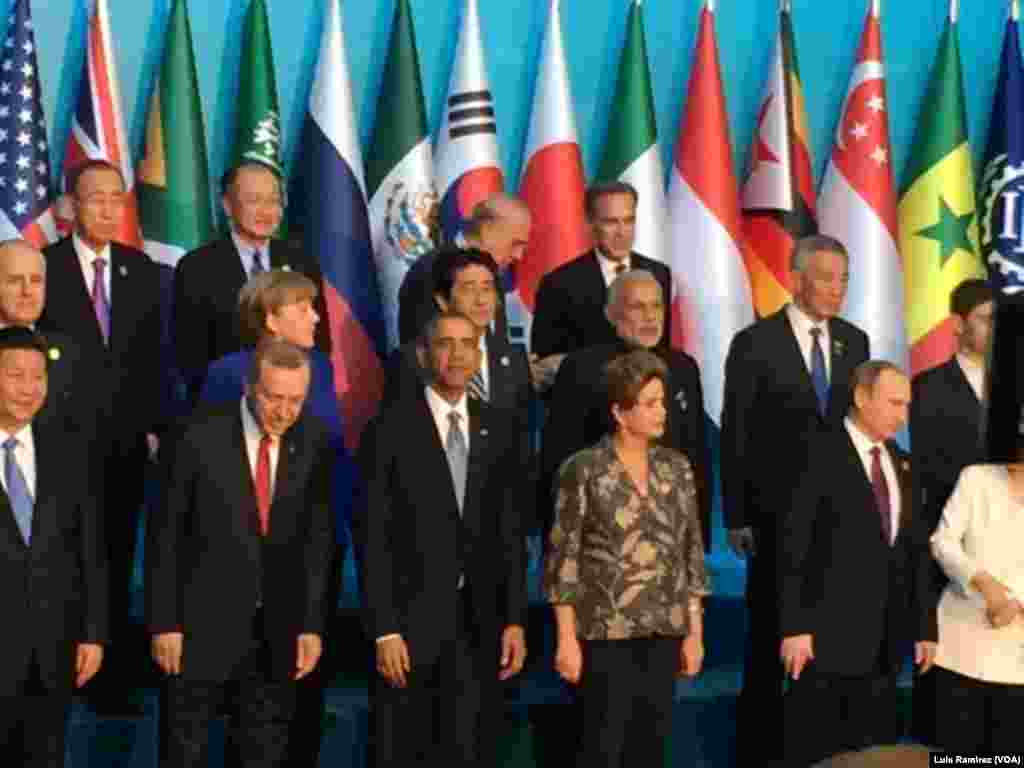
(206, 563)
(55, 589)
(945, 427)
(1006, 380)
(838, 579)
(570, 305)
(416, 301)
(770, 410)
(130, 365)
(578, 417)
(413, 541)
(74, 389)
(204, 323)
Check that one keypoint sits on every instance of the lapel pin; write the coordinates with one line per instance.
(681, 399)
(838, 347)
(286, 268)
(483, 433)
(54, 353)
(504, 360)
(291, 448)
(123, 270)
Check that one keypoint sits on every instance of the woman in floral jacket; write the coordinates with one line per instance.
(625, 573)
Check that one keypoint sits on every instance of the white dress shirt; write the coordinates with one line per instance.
(253, 434)
(802, 325)
(981, 529)
(246, 251)
(485, 366)
(609, 268)
(25, 453)
(440, 408)
(86, 259)
(864, 446)
(975, 374)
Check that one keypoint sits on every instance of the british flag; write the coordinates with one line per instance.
(24, 156)
(97, 127)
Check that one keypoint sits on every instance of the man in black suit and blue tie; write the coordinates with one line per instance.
(52, 562)
(442, 561)
(237, 560)
(786, 377)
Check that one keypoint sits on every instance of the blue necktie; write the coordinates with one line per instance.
(819, 376)
(17, 490)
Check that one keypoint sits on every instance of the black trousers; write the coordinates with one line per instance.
(33, 724)
(259, 711)
(977, 717)
(826, 715)
(759, 710)
(449, 710)
(625, 695)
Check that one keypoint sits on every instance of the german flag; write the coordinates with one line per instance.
(938, 228)
(778, 197)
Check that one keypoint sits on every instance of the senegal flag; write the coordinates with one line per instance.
(938, 229)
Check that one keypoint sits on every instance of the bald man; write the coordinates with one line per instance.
(499, 226)
(72, 395)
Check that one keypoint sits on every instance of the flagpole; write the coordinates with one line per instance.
(1015, 10)
(785, 6)
(876, 8)
(954, 10)
(710, 5)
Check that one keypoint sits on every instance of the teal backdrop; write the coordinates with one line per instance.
(827, 34)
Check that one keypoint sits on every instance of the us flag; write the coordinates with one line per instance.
(24, 158)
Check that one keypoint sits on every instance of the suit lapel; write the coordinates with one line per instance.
(839, 360)
(960, 384)
(795, 357)
(497, 374)
(595, 280)
(121, 298)
(430, 440)
(867, 489)
(479, 438)
(902, 469)
(45, 466)
(70, 288)
(244, 480)
(234, 270)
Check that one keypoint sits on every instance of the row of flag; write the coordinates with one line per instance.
(728, 244)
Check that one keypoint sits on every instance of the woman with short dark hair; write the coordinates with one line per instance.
(625, 573)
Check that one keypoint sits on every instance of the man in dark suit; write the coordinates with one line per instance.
(204, 323)
(786, 376)
(498, 226)
(571, 299)
(106, 297)
(946, 433)
(52, 563)
(442, 561)
(854, 578)
(237, 564)
(71, 382)
(578, 412)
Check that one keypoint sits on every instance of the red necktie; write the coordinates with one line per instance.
(881, 488)
(263, 484)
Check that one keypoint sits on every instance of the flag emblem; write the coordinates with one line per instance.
(471, 113)
(1002, 221)
(410, 221)
(265, 144)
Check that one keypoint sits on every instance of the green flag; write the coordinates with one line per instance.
(173, 176)
(631, 148)
(258, 133)
(399, 170)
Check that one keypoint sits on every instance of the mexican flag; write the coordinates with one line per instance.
(631, 148)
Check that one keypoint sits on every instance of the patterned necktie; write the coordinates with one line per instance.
(476, 388)
(17, 490)
(263, 484)
(455, 449)
(100, 304)
(257, 263)
(881, 489)
(819, 376)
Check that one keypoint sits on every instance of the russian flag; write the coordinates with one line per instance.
(338, 230)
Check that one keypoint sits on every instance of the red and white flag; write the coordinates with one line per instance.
(712, 299)
(857, 204)
(552, 184)
(97, 126)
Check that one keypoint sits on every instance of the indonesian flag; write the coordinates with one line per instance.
(778, 197)
(857, 205)
(712, 299)
(552, 183)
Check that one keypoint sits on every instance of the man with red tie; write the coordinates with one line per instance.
(237, 560)
(105, 296)
(854, 577)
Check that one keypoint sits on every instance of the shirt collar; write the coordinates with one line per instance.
(87, 254)
(608, 266)
(970, 365)
(245, 250)
(250, 426)
(803, 321)
(861, 442)
(441, 407)
(23, 436)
